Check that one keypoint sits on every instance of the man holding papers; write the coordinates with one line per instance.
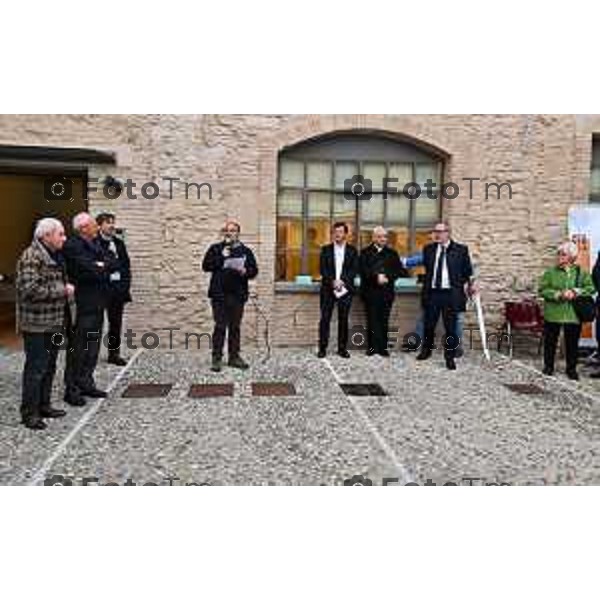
(339, 267)
(232, 264)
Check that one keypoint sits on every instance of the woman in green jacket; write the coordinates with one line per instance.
(559, 286)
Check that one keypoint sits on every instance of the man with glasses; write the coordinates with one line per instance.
(448, 281)
(231, 265)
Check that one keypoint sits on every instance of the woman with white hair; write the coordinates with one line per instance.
(559, 287)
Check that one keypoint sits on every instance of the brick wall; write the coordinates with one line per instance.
(545, 158)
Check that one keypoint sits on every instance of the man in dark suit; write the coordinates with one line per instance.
(448, 281)
(231, 265)
(339, 267)
(119, 283)
(380, 266)
(88, 268)
(596, 280)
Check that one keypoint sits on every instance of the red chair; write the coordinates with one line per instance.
(526, 316)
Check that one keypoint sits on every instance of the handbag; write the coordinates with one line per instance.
(585, 306)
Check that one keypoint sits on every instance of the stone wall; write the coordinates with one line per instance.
(546, 159)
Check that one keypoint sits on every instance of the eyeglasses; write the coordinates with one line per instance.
(439, 231)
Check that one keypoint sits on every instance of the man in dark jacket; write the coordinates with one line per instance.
(339, 267)
(380, 266)
(231, 264)
(88, 268)
(596, 280)
(119, 283)
(43, 304)
(448, 280)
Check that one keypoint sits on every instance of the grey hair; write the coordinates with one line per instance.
(569, 248)
(379, 229)
(46, 226)
(79, 219)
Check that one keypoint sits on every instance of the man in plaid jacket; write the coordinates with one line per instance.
(44, 299)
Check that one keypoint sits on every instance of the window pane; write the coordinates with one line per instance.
(422, 238)
(371, 211)
(344, 170)
(342, 208)
(595, 183)
(398, 238)
(289, 203)
(318, 234)
(398, 207)
(426, 211)
(319, 174)
(403, 172)
(376, 173)
(291, 173)
(345, 210)
(319, 204)
(366, 236)
(426, 171)
(289, 249)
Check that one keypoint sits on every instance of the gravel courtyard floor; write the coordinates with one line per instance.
(463, 427)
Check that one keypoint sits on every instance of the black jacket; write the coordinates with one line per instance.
(90, 280)
(596, 277)
(119, 290)
(327, 268)
(460, 271)
(228, 281)
(386, 262)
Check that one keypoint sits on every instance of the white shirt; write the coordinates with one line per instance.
(445, 277)
(339, 251)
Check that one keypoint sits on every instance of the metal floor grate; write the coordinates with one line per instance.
(147, 390)
(525, 388)
(362, 389)
(210, 390)
(273, 388)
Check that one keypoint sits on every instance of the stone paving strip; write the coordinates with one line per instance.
(433, 426)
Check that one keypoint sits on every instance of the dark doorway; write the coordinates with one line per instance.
(22, 203)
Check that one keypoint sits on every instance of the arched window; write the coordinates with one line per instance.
(311, 196)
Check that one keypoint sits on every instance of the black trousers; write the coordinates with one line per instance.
(114, 312)
(379, 306)
(551, 334)
(328, 302)
(227, 314)
(440, 302)
(84, 347)
(597, 326)
(38, 373)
